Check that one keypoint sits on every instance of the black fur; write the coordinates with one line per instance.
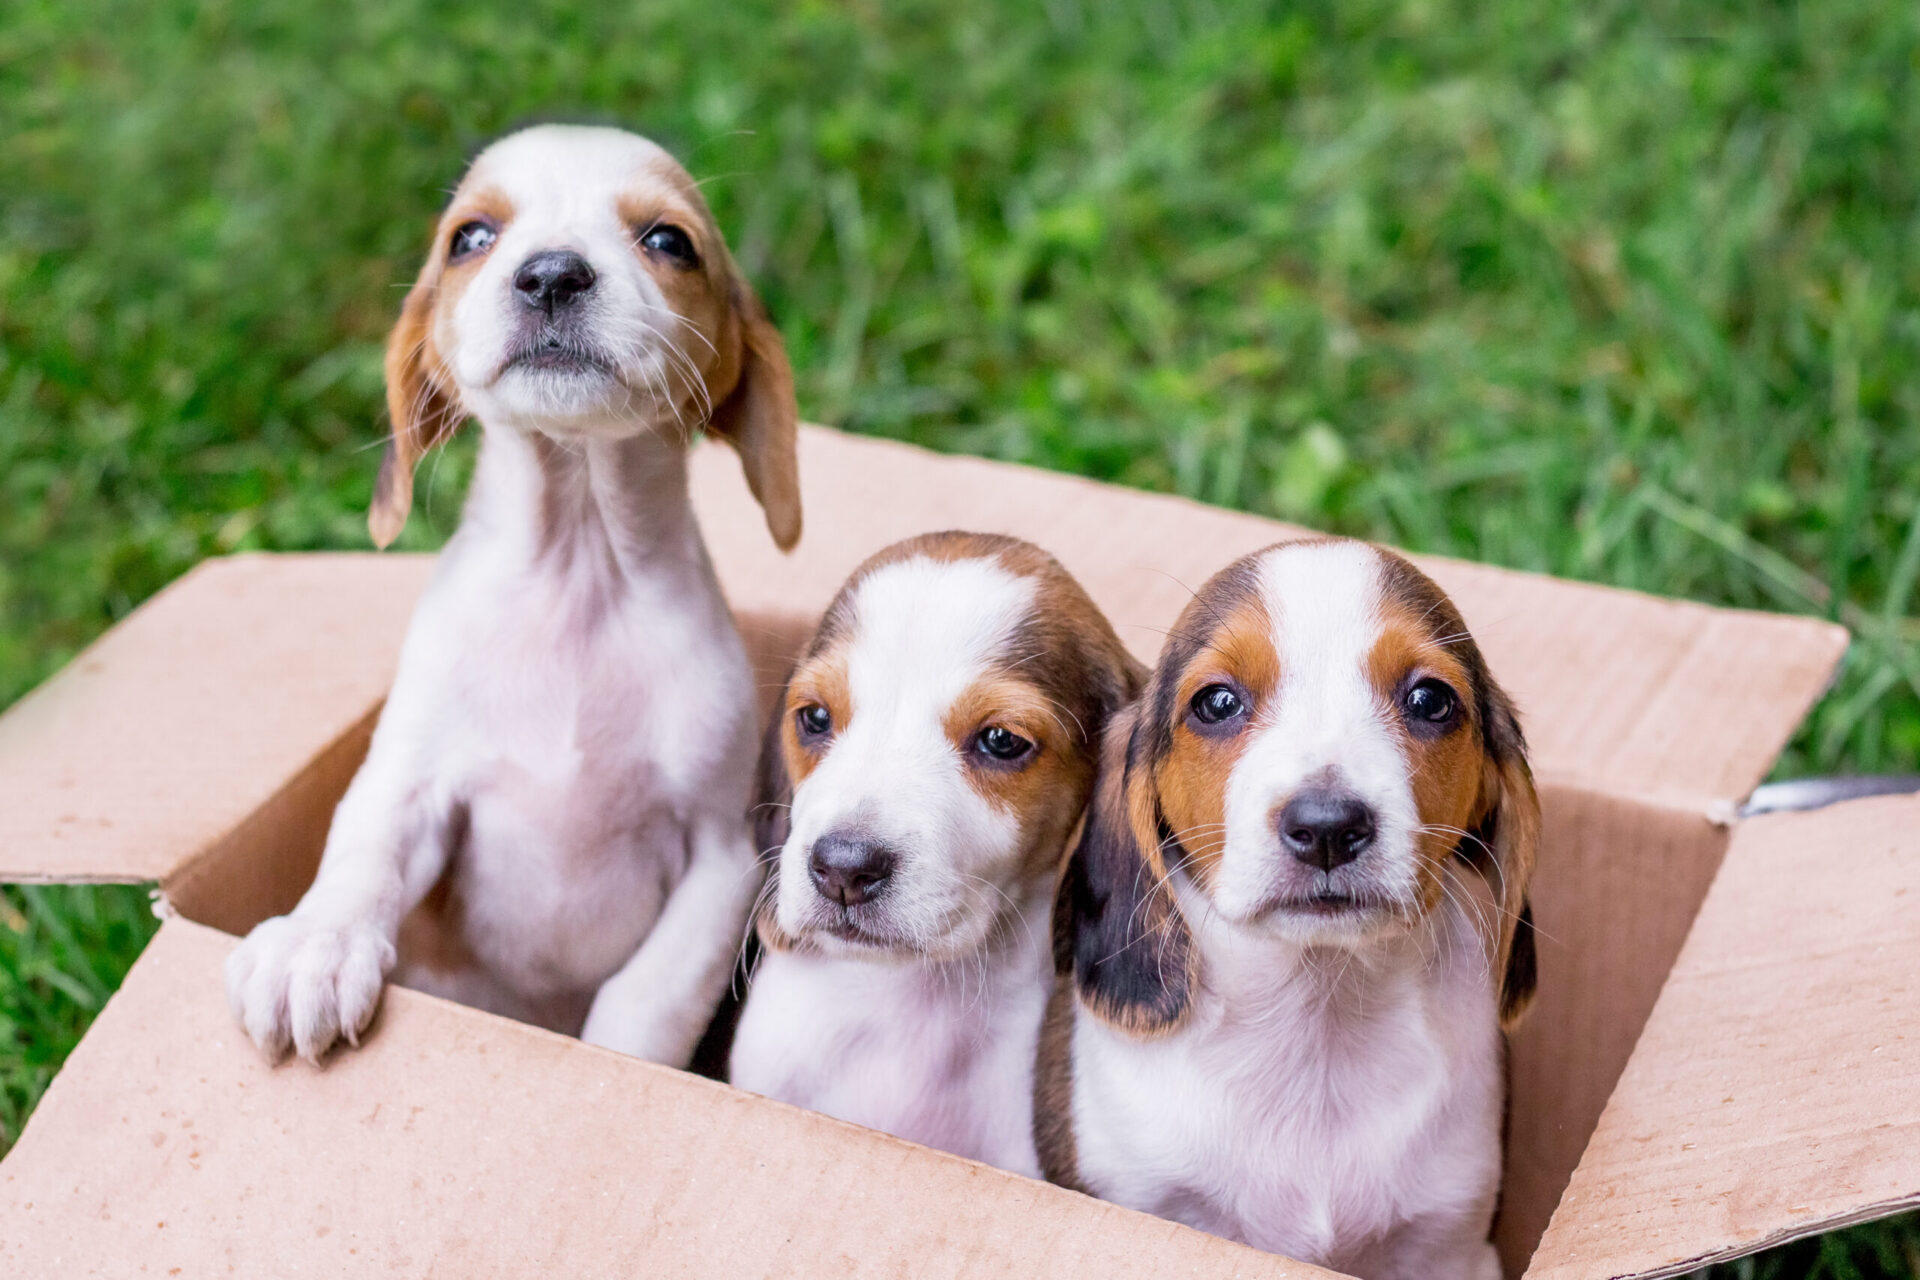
(1117, 927)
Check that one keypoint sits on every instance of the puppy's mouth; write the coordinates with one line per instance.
(1328, 903)
(551, 352)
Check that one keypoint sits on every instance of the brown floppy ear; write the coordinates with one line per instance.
(1508, 839)
(1117, 927)
(761, 420)
(424, 412)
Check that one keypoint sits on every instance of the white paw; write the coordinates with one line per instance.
(299, 983)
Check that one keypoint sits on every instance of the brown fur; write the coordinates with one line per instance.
(1485, 777)
(749, 383)
(1192, 779)
(1159, 801)
(1053, 1092)
(1064, 675)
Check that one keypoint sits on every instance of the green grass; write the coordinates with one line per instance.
(1619, 291)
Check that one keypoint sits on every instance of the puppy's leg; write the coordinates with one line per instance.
(659, 1003)
(308, 978)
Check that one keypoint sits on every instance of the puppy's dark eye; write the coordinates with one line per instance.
(814, 720)
(471, 239)
(1215, 703)
(1002, 744)
(1431, 702)
(671, 243)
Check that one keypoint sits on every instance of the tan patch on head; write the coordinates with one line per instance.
(820, 680)
(1046, 789)
(1472, 785)
(1445, 769)
(1191, 778)
(422, 401)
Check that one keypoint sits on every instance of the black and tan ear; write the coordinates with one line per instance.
(424, 411)
(772, 819)
(1118, 929)
(1509, 830)
(761, 419)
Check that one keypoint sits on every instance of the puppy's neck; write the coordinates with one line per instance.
(604, 505)
(1250, 973)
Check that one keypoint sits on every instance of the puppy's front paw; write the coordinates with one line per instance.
(296, 982)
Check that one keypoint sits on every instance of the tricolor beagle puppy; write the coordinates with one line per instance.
(555, 801)
(1296, 924)
(921, 775)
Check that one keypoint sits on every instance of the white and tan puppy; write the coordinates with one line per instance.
(921, 776)
(1295, 924)
(557, 791)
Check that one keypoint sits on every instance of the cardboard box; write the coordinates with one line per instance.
(1725, 1052)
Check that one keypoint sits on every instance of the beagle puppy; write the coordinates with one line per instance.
(1296, 925)
(551, 822)
(920, 778)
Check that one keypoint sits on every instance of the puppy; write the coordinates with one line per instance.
(556, 794)
(1296, 923)
(920, 778)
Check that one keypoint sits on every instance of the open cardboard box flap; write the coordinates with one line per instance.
(205, 740)
(1775, 1091)
(462, 1145)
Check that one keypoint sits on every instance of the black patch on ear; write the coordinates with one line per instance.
(772, 817)
(1117, 926)
(772, 788)
(1523, 968)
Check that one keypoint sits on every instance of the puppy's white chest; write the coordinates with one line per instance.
(898, 1048)
(1296, 1140)
(578, 739)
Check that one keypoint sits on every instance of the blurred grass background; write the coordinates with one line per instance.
(1627, 292)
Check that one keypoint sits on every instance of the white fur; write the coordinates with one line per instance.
(932, 1039)
(939, 1052)
(569, 736)
(1336, 1092)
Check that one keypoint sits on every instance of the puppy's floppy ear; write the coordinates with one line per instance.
(772, 818)
(424, 411)
(1508, 831)
(760, 418)
(1118, 928)
(772, 787)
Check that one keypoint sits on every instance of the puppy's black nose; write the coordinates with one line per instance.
(552, 278)
(1326, 828)
(849, 870)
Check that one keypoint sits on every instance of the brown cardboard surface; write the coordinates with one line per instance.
(1620, 692)
(206, 739)
(168, 732)
(1618, 884)
(460, 1145)
(1775, 1091)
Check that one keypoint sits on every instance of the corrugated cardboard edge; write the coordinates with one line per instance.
(1775, 1092)
(193, 714)
(459, 1144)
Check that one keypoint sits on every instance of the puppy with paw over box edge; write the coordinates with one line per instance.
(551, 822)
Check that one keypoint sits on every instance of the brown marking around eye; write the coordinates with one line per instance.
(1421, 636)
(1045, 789)
(820, 679)
(1191, 777)
(481, 204)
(641, 210)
